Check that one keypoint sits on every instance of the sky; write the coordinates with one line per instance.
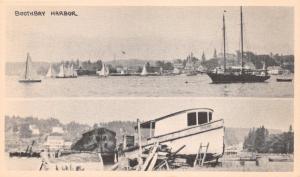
(245, 112)
(150, 33)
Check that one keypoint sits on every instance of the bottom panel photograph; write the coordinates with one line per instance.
(195, 134)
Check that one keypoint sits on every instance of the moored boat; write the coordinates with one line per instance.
(50, 73)
(144, 71)
(237, 76)
(66, 72)
(104, 72)
(284, 79)
(30, 75)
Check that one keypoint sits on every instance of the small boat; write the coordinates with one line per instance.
(66, 72)
(176, 71)
(50, 73)
(284, 79)
(104, 72)
(29, 153)
(191, 73)
(144, 71)
(30, 74)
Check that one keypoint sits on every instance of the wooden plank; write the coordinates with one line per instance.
(150, 156)
(153, 162)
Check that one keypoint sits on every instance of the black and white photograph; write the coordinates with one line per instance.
(190, 88)
(150, 135)
(150, 51)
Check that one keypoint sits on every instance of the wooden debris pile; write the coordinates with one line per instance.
(155, 157)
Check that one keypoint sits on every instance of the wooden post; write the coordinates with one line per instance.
(140, 160)
(150, 129)
(101, 160)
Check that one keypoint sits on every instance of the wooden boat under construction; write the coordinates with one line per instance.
(186, 131)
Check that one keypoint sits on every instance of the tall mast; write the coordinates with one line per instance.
(26, 68)
(242, 42)
(224, 42)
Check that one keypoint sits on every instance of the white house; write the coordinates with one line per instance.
(57, 130)
(54, 142)
(34, 130)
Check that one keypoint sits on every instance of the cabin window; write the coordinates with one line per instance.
(202, 117)
(210, 116)
(192, 120)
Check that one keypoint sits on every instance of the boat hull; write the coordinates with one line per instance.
(212, 133)
(30, 81)
(64, 77)
(240, 78)
(284, 80)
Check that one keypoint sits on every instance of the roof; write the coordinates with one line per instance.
(100, 128)
(148, 123)
(51, 137)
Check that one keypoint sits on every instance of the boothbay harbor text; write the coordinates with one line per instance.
(44, 13)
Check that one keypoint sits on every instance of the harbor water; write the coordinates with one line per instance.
(149, 86)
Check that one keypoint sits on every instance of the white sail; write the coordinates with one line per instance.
(122, 72)
(176, 71)
(50, 72)
(75, 73)
(61, 71)
(72, 71)
(30, 73)
(144, 71)
(104, 71)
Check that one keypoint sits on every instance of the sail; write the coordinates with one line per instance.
(50, 71)
(104, 71)
(30, 73)
(176, 71)
(72, 71)
(61, 71)
(68, 71)
(144, 71)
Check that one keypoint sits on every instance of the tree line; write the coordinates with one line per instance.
(259, 140)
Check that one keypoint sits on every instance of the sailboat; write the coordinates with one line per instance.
(241, 75)
(30, 74)
(176, 71)
(50, 72)
(144, 71)
(73, 72)
(66, 72)
(104, 72)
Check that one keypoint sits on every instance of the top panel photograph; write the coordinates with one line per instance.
(124, 51)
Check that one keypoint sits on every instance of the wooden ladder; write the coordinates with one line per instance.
(199, 160)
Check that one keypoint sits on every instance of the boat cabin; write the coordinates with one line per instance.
(178, 121)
